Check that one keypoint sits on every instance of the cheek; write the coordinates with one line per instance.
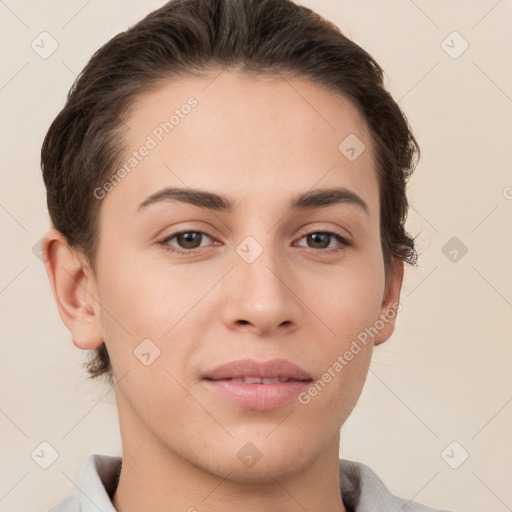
(346, 302)
(342, 358)
(347, 308)
(144, 298)
(170, 306)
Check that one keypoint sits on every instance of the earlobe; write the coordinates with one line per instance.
(74, 290)
(390, 304)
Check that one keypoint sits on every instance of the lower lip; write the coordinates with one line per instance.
(258, 396)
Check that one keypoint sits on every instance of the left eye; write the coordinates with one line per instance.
(322, 239)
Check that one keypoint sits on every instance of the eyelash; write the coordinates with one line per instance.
(341, 239)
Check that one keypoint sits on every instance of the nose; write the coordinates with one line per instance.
(262, 296)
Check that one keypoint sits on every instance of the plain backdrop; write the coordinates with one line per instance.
(434, 418)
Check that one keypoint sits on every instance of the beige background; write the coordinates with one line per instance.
(445, 374)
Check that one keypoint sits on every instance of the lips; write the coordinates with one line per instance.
(258, 380)
(257, 385)
(253, 372)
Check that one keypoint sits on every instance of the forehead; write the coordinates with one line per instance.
(241, 134)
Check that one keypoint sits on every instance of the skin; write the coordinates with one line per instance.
(259, 141)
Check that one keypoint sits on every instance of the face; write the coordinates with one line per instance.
(206, 281)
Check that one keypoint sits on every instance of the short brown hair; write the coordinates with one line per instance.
(84, 143)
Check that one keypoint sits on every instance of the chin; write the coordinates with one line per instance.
(261, 473)
(249, 464)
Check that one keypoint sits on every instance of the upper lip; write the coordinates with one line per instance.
(276, 368)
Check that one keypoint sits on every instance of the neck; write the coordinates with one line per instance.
(155, 478)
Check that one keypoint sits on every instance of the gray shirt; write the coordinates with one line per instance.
(362, 490)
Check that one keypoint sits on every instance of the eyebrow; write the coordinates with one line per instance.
(318, 198)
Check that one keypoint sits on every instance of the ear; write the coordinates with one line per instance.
(390, 303)
(74, 290)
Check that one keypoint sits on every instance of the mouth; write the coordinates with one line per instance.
(254, 385)
(259, 380)
(249, 370)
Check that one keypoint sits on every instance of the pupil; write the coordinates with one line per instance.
(317, 236)
(188, 238)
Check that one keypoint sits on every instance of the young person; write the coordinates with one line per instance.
(227, 189)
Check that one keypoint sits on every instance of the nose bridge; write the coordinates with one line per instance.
(262, 282)
(260, 266)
